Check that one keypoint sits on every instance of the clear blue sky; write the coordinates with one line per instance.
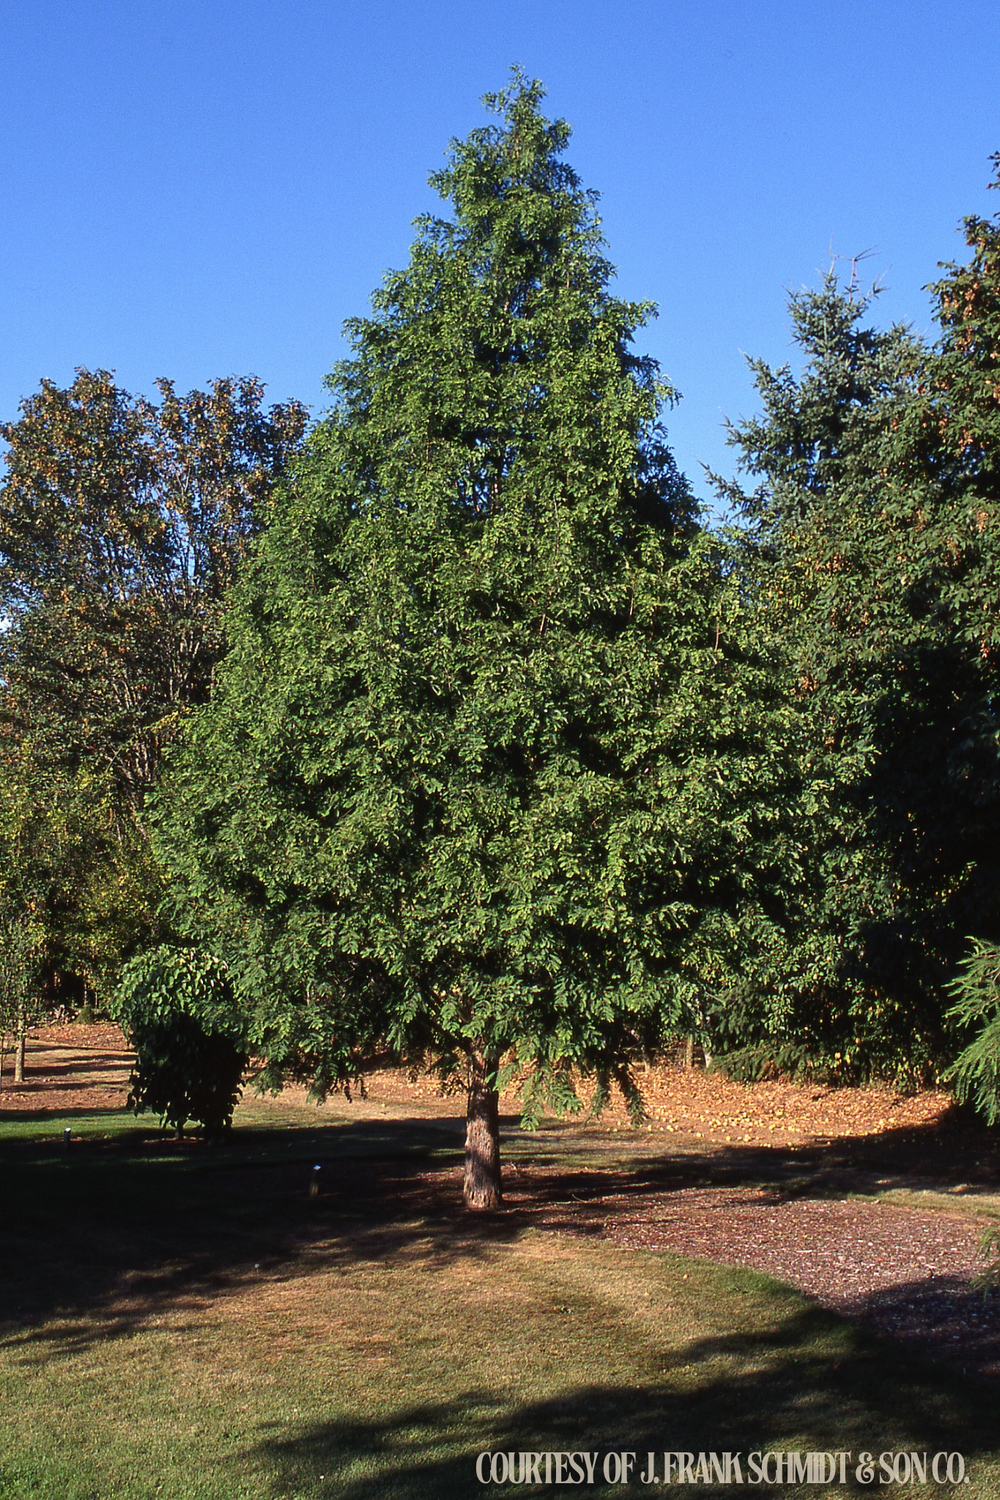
(194, 190)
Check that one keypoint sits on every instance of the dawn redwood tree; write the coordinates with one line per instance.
(460, 793)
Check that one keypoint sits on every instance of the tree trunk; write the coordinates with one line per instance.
(482, 1138)
(19, 1045)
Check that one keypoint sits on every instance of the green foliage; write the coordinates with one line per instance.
(21, 951)
(806, 562)
(176, 1006)
(121, 525)
(77, 886)
(967, 373)
(976, 990)
(488, 777)
(875, 566)
(964, 412)
(975, 1073)
(22, 928)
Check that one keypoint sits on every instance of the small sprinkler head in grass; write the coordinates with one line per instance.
(314, 1185)
(66, 1136)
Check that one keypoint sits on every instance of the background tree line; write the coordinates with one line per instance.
(454, 730)
(121, 527)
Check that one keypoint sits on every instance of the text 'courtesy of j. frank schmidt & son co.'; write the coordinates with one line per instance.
(673, 1468)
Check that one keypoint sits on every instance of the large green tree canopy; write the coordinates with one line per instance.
(871, 544)
(121, 526)
(477, 780)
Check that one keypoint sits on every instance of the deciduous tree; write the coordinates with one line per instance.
(121, 527)
(477, 783)
(176, 1007)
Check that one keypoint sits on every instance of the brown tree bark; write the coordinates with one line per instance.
(482, 1187)
(20, 1043)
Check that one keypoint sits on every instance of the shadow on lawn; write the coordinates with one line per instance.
(741, 1394)
(176, 1219)
(126, 1224)
(112, 1117)
(58, 1060)
(53, 1073)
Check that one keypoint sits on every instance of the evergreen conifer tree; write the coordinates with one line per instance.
(870, 543)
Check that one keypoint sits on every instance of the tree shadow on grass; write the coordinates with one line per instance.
(742, 1394)
(179, 1218)
(174, 1223)
(111, 1116)
(53, 1062)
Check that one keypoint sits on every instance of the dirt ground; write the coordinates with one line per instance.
(870, 1201)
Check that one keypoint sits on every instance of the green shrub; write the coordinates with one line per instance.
(190, 1040)
(976, 1071)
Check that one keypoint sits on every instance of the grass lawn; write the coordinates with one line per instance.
(182, 1320)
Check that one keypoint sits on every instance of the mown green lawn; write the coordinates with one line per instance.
(182, 1320)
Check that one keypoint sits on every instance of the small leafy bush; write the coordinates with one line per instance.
(190, 1039)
